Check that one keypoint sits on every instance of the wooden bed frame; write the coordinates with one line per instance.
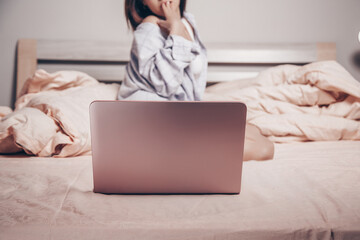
(106, 60)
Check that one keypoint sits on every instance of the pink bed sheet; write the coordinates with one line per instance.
(310, 190)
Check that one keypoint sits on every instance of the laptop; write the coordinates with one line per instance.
(167, 147)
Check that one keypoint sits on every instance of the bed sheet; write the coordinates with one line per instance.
(309, 190)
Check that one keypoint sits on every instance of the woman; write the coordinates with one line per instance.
(168, 62)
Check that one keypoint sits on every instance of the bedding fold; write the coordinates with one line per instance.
(51, 116)
(316, 102)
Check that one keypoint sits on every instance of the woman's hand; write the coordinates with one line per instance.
(173, 23)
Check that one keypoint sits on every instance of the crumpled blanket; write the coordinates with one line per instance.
(316, 102)
(51, 117)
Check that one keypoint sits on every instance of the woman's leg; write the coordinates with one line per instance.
(257, 147)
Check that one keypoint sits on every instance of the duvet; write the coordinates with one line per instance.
(315, 102)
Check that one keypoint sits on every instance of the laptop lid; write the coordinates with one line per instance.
(167, 146)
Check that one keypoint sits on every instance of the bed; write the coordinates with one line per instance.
(310, 190)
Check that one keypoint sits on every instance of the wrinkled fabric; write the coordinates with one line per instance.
(318, 102)
(4, 111)
(159, 67)
(51, 117)
(310, 190)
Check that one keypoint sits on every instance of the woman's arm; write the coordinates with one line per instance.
(178, 29)
(173, 25)
(162, 63)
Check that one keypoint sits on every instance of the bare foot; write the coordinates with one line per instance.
(257, 147)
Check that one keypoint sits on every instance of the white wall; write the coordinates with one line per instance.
(227, 21)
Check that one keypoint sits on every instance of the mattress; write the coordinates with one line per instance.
(310, 190)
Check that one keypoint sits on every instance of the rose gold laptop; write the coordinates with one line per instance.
(167, 146)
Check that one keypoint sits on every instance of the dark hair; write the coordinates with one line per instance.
(136, 11)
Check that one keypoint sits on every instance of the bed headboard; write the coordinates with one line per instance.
(106, 60)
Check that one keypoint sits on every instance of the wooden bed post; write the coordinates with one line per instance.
(326, 51)
(26, 62)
